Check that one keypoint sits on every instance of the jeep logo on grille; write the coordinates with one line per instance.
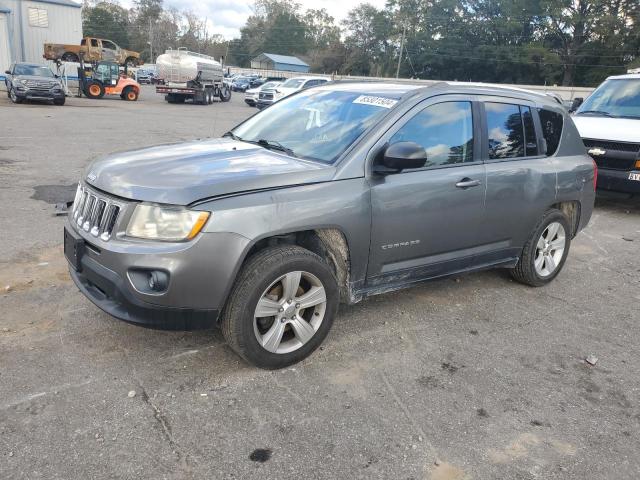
(597, 152)
(92, 177)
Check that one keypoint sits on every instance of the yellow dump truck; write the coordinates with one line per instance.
(92, 50)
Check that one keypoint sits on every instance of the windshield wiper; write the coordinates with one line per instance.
(275, 145)
(595, 112)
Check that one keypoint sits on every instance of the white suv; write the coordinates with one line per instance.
(609, 124)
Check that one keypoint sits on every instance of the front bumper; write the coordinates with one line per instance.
(27, 94)
(200, 274)
(618, 180)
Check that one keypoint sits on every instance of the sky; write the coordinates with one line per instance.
(227, 16)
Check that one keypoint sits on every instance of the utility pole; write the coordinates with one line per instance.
(404, 32)
(150, 43)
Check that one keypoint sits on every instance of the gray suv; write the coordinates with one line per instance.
(331, 195)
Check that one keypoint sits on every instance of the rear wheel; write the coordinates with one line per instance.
(281, 308)
(225, 93)
(545, 252)
(94, 89)
(130, 94)
(70, 57)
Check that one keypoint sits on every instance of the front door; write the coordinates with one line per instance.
(425, 221)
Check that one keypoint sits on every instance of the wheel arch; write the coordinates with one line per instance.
(572, 209)
(328, 242)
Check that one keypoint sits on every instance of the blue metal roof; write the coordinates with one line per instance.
(67, 3)
(283, 59)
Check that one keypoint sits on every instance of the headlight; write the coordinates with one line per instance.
(165, 223)
(22, 81)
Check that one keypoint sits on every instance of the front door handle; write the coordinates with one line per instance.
(467, 183)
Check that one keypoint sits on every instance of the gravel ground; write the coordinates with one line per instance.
(474, 377)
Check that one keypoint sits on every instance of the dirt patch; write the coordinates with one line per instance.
(48, 268)
(55, 193)
(446, 471)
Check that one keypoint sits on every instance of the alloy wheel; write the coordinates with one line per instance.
(550, 249)
(289, 312)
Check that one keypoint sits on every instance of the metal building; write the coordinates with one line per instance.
(25, 25)
(271, 61)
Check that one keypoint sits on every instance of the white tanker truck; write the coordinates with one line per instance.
(189, 75)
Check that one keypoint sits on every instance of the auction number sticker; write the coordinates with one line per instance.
(634, 176)
(377, 101)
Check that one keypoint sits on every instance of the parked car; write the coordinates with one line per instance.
(251, 95)
(331, 195)
(143, 77)
(609, 124)
(298, 83)
(240, 84)
(30, 81)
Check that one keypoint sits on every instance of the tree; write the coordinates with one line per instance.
(106, 20)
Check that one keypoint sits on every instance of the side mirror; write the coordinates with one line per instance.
(8, 72)
(401, 156)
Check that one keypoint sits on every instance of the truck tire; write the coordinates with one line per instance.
(225, 93)
(94, 89)
(130, 94)
(545, 252)
(298, 288)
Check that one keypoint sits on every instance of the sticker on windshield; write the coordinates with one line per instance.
(377, 101)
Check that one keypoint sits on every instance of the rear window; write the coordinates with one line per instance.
(552, 123)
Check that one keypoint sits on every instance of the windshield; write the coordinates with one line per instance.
(614, 98)
(269, 85)
(293, 83)
(315, 124)
(33, 70)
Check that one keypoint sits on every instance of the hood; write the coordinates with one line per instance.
(183, 173)
(37, 78)
(611, 129)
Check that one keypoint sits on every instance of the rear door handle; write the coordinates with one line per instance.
(467, 183)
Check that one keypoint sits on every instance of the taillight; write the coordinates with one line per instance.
(595, 174)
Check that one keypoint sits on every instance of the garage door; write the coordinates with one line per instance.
(5, 55)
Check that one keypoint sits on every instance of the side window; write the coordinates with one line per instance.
(108, 44)
(83, 41)
(445, 130)
(94, 42)
(505, 130)
(552, 123)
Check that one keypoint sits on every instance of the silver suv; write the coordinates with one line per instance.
(331, 195)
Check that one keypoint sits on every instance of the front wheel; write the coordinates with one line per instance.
(281, 308)
(130, 94)
(14, 97)
(545, 252)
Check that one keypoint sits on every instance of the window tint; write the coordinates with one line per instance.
(531, 145)
(445, 130)
(94, 42)
(505, 130)
(108, 44)
(551, 129)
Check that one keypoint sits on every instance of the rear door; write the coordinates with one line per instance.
(521, 179)
(425, 221)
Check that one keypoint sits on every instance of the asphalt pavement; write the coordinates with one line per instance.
(475, 377)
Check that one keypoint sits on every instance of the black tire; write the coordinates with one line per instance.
(59, 101)
(225, 94)
(94, 89)
(525, 271)
(131, 62)
(13, 96)
(129, 94)
(260, 271)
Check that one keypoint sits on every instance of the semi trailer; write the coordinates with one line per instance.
(191, 76)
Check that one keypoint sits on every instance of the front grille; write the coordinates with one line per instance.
(266, 96)
(619, 146)
(95, 213)
(40, 85)
(617, 156)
